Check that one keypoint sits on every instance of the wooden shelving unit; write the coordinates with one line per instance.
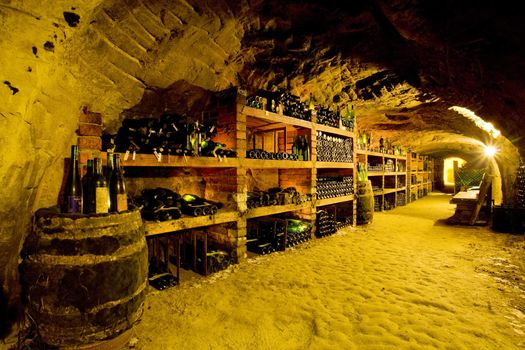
(229, 180)
(421, 176)
(388, 175)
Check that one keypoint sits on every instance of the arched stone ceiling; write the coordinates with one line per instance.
(402, 63)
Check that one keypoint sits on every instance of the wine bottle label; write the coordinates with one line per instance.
(74, 204)
(101, 200)
(122, 202)
(126, 155)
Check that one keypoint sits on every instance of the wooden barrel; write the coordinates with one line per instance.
(84, 277)
(365, 202)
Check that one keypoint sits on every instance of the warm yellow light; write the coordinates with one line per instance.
(480, 123)
(490, 151)
(448, 169)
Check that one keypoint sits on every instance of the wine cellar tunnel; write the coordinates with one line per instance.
(412, 70)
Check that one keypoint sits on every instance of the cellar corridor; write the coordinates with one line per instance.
(405, 281)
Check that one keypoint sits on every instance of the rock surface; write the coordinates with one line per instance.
(401, 63)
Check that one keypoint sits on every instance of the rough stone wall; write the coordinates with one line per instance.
(99, 55)
(399, 62)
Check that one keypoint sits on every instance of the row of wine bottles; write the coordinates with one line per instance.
(261, 154)
(290, 105)
(365, 141)
(301, 148)
(171, 134)
(97, 192)
(343, 222)
(265, 236)
(335, 119)
(298, 231)
(162, 204)
(326, 224)
(275, 196)
(334, 148)
(334, 186)
(378, 203)
(270, 234)
(401, 199)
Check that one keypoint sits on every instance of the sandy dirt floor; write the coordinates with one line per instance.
(406, 281)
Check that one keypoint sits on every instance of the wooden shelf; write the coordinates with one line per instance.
(274, 118)
(375, 173)
(275, 209)
(149, 160)
(389, 190)
(334, 165)
(188, 222)
(332, 130)
(274, 164)
(390, 173)
(335, 200)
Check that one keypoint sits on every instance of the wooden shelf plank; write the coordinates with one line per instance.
(375, 173)
(274, 164)
(276, 209)
(335, 200)
(188, 222)
(149, 160)
(375, 154)
(334, 165)
(390, 173)
(274, 117)
(332, 130)
(389, 190)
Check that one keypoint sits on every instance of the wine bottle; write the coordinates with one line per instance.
(86, 182)
(117, 188)
(110, 165)
(305, 148)
(73, 189)
(99, 189)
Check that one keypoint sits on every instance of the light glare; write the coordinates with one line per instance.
(490, 151)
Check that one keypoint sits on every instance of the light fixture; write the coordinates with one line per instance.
(490, 151)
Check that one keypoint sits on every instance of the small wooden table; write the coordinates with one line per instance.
(466, 202)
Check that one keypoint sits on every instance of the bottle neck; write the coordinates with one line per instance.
(97, 166)
(90, 167)
(116, 162)
(110, 161)
(74, 157)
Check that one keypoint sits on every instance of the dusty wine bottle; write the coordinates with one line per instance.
(86, 182)
(117, 188)
(110, 165)
(99, 189)
(73, 189)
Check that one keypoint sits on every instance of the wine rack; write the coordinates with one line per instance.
(388, 175)
(420, 170)
(246, 126)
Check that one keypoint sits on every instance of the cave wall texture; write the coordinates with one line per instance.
(401, 63)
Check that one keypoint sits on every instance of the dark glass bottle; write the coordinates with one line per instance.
(86, 182)
(305, 148)
(73, 189)
(99, 189)
(117, 188)
(110, 165)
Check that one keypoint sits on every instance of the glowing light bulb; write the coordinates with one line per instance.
(490, 151)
